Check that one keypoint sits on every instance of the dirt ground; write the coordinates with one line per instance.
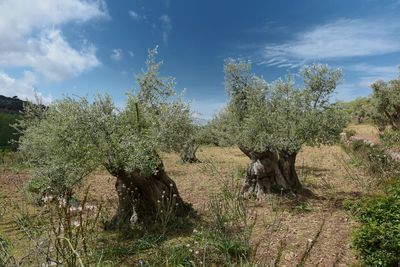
(290, 222)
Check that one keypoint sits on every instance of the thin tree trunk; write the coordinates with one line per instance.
(188, 153)
(270, 172)
(141, 197)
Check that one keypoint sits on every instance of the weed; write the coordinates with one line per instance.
(378, 238)
(303, 207)
(5, 258)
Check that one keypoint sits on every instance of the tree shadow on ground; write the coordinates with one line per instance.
(314, 171)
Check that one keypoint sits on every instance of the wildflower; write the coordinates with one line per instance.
(174, 195)
(195, 231)
(171, 185)
(196, 252)
(187, 245)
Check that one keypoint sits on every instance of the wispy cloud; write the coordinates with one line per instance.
(136, 16)
(166, 27)
(370, 73)
(343, 38)
(363, 76)
(116, 54)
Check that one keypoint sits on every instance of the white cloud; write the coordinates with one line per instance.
(166, 26)
(20, 17)
(32, 38)
(116, 54)
(134, 15)
(341, 39)
(24, 88)
(131, 54)
(51, 56)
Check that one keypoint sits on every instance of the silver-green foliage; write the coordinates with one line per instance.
(279, 116)
(74, 136)
(386, 100)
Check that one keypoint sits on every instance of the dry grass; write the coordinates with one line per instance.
(286, 222)
(366, 132)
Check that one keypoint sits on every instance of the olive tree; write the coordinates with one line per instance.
(386, 102)
(74, 136)
(188, 152)
(217, 132)
(270, 122)
(200, 135)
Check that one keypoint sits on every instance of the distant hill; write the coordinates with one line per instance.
(11, 104)
(10, 108)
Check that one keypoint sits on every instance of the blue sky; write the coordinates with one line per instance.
(81, 47)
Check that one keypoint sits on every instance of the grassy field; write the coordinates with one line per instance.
(366, 131)
(285, 225)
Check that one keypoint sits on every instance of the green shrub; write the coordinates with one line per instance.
(391, 139)
(378, 239)
(375, 160)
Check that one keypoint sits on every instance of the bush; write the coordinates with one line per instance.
(378, 239)
(391, 139)
(375, 160)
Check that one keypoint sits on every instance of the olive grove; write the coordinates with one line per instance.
(270, 122)
(386, 102)
(75, 136)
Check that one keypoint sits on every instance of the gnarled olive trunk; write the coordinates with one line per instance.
(140, 197)
(270, 172)
(188, 153)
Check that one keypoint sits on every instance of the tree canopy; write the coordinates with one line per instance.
(74, 135)
(279, 116)
(386, 100)
(270, 122)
